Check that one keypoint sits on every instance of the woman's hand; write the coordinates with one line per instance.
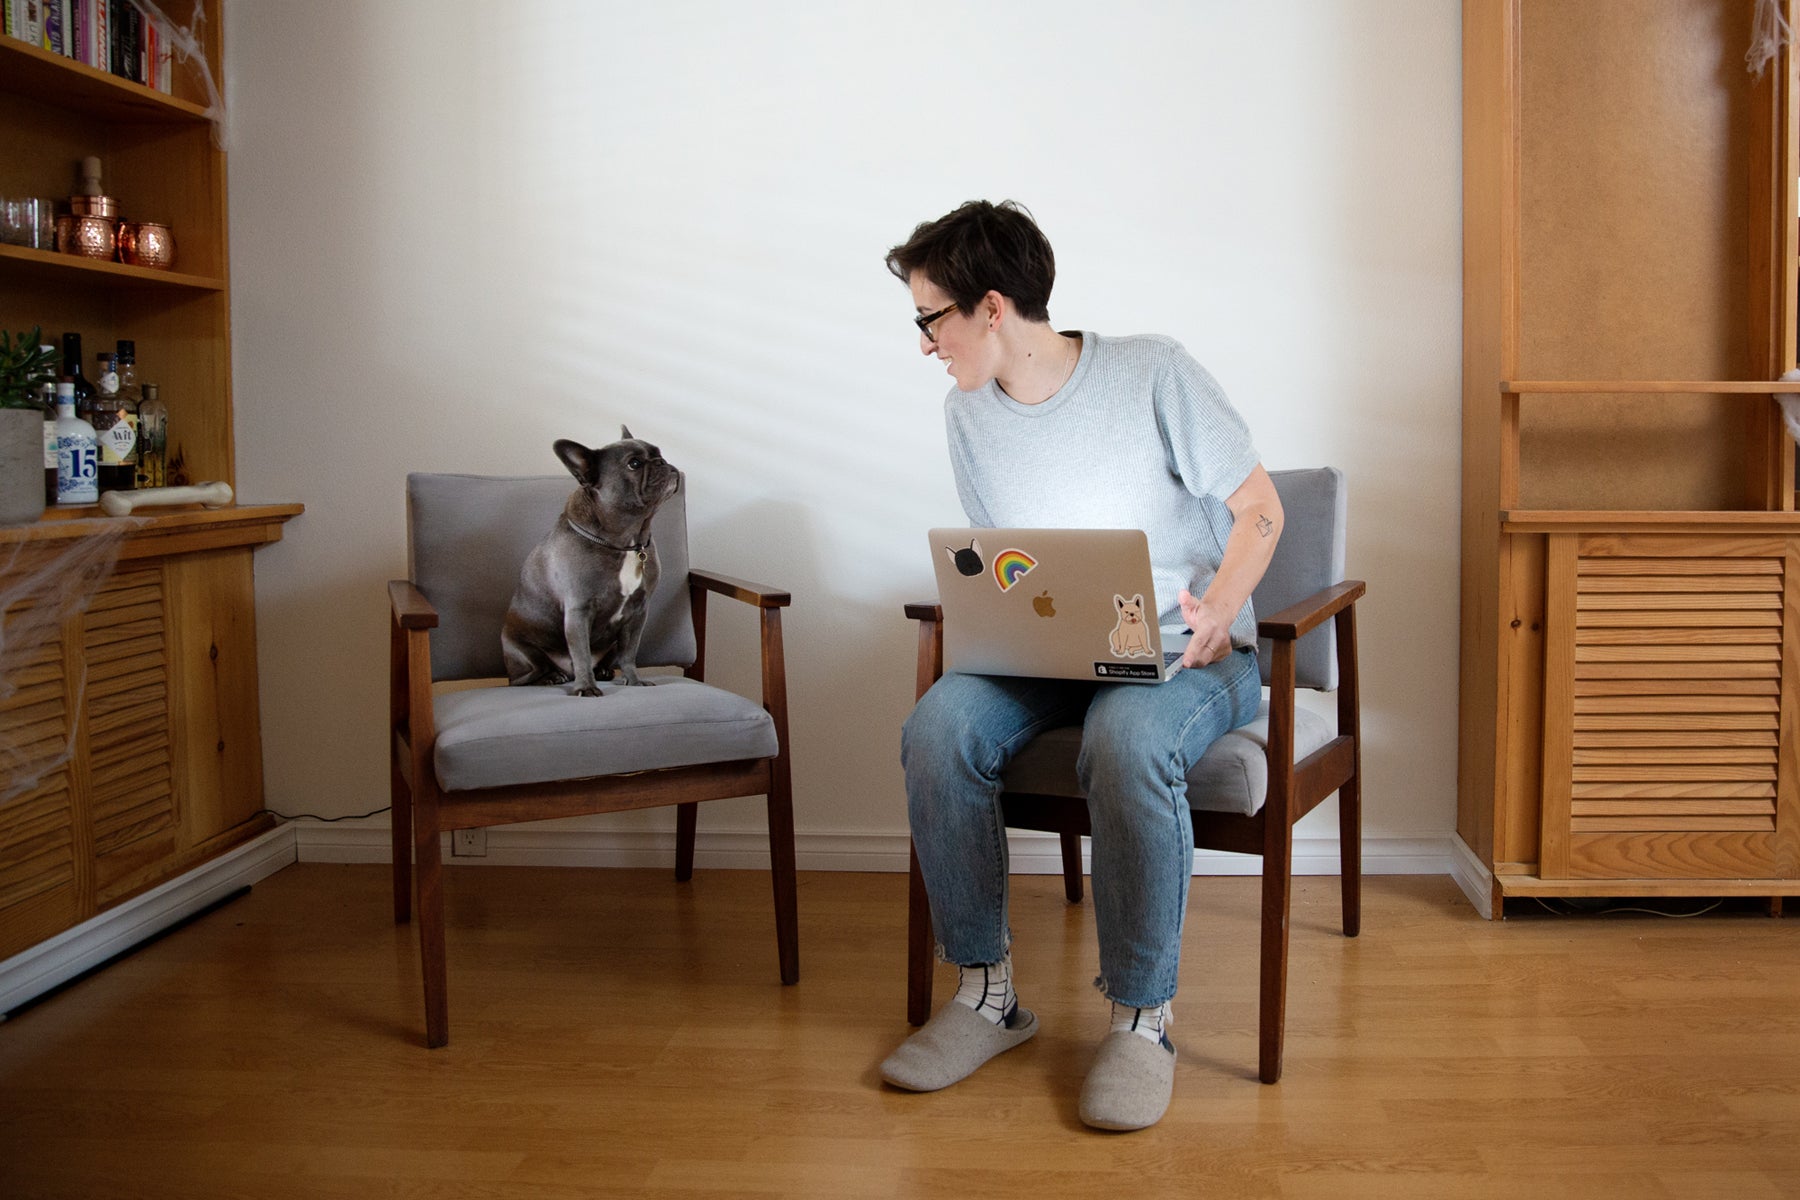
(1211, 640)
(1256, 525)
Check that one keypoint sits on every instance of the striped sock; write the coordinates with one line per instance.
(987, 988)
(1148, 1023)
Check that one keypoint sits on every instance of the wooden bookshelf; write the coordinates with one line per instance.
(129, 728)
(1631, 554)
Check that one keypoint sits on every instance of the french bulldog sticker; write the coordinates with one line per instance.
(968, 560)
(1130, 638)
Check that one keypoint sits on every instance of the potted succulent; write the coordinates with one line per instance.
(25, 366)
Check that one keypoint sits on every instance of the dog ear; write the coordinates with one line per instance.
(1118, 601)
(581, 461)
(625, 434)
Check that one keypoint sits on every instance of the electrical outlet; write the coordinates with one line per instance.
(468, 843)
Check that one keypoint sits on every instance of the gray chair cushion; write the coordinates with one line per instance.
(467, 537)
(495, 736)
(1232, 776)
(1308, 558)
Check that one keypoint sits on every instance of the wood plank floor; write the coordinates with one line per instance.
(616, 1034)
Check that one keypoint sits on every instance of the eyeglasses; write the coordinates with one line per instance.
(926, 320)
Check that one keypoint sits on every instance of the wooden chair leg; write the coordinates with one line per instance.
(400, 825)
(1071, 860)
(918, 946)
(686, 817)
(1277, 889)
(399, 793)
(781, 870)
(431, 921)
(1350, 843)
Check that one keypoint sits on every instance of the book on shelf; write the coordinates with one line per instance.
(123, 50)
(25, 20)
(56, 14)
(91, 34)
(101, 35)
(115, 36)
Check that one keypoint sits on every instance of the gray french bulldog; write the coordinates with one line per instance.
(578, 613)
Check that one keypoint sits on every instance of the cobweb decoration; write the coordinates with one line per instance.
(43, 583)
(185, 43)
(1789, 403)
(1769, 32)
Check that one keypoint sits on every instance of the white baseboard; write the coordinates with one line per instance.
(1473, 876)
(1032, 853)
(30, 973)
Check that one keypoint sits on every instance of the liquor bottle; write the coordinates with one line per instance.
(118, 423)
(49, 434)
(128, 381)
(77, 452)
(100, 408)
(153, 439)
(71, 370)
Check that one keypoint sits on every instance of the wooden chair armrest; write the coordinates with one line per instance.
(410, 712)
(1303, 617)
(768, 602)
(411, 609)
(930, 616)
(758, 594)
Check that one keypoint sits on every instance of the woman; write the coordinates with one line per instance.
(1112, 432)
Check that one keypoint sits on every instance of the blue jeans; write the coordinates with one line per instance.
(1137, 744)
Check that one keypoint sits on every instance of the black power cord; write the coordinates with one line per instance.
(316, 817)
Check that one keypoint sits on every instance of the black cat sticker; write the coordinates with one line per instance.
(967, 561)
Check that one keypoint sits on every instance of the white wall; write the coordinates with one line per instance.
(463, 229)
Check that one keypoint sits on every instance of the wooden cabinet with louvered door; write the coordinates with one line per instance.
(45, 864)
(1669, 717)
(88, 725)
(1626, 717)
(126, 747)
(128, 709)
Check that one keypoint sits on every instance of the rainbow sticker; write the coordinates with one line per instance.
(1010, 566)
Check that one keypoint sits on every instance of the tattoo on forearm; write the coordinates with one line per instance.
(1264, 526)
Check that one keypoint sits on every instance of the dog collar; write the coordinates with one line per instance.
(641, 549)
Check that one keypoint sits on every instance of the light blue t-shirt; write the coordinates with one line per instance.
(1140, 437)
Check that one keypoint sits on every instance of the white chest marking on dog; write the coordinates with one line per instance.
(631, 579)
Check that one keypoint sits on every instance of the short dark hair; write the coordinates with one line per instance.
(982, 247)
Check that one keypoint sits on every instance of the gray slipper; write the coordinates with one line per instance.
(1130, 1083)
(952, 1044)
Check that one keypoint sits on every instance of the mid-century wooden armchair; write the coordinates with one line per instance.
(1247, 791)
(486, 756)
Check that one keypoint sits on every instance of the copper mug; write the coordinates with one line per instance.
(93, 237)
(146, 244)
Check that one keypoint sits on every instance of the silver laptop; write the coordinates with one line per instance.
(1050, 603)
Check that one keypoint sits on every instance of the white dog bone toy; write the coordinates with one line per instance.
(120, 504)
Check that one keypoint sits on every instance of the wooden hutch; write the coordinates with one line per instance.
(1630, 549)
(130, 750)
